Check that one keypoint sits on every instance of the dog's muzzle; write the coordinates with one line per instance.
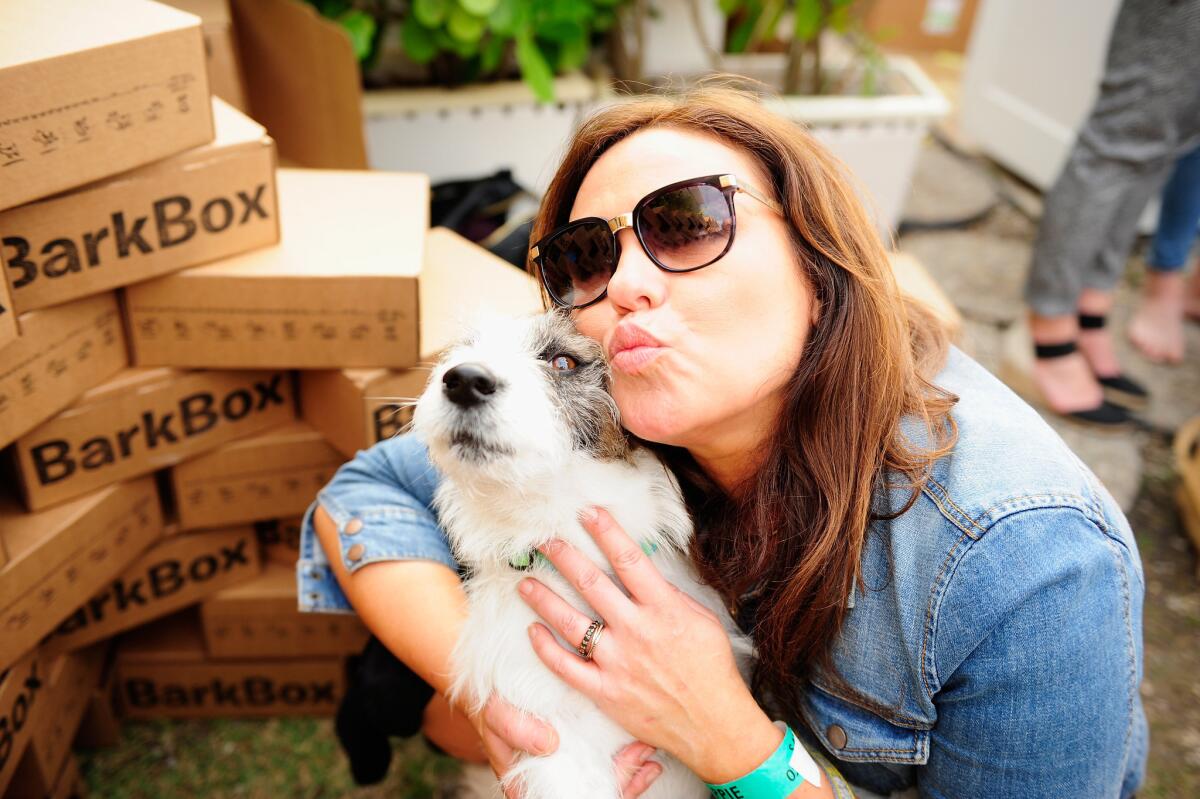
(468, 385)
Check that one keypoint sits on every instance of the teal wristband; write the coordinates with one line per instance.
(779, 775)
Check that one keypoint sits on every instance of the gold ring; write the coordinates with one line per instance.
(590, 637)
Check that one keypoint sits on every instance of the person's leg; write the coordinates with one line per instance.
(1129, 139)
(1157, 325)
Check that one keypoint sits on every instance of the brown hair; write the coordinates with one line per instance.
(794, 531)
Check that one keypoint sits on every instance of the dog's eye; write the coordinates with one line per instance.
(563, 363)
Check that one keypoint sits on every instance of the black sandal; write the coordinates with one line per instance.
(1119, 388)
(1107, 415)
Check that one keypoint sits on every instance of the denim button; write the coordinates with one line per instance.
(355, 552)
(353, 526)
(837, 736)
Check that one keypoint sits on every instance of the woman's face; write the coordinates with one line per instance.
(730, 334)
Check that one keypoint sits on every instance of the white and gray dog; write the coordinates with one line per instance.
(520, 422)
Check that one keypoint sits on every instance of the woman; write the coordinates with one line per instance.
(942, 596)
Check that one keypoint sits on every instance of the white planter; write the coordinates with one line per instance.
(674, 45)
(878, 138)
(475, 130)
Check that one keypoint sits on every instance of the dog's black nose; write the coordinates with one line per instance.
(468, 384)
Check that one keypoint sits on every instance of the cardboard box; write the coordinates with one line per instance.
(162, 672)
(922, 24)
(302, 82)
(65, 351)
(92, 89)
(259, 619)
(142, 420)
(72, 678)
(8, 314)
(224, 68)
(62, 556)
(177, 572)
(206, 203)
(276, 473)
(279, 540)
(354, 408)
(341, 289)
(70, 784)
(22, 695)
(101, 726)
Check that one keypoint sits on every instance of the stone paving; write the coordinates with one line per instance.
(982, 269)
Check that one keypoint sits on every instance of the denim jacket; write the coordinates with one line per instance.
(995, 652)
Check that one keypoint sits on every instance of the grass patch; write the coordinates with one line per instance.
(293, 757)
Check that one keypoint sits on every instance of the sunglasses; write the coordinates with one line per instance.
(682, 227)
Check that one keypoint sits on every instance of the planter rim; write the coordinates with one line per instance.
(570, 88)
(926, 103)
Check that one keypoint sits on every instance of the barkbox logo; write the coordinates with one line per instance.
(16, 716)
(57, 459)
(176, 220)
(160, 579)
(257, 691)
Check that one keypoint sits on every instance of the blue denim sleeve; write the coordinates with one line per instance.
(381, 501)
(1038, 652)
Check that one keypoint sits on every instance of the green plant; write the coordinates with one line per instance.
(462, 41)
(754, 25)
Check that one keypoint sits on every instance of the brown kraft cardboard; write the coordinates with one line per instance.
(269, 475)
(206, 203)
(70, 784)
(162, 672)
(61, 556)
(66, 351)
(224, 66)
(100, 726)
(315, 300)
(354, 408)
(92, 89)
(259, 619)
(279, 540)
(143, 420)
(8, 313)
(22, 695)
(72, 678)
(177, 572)
(302, 82)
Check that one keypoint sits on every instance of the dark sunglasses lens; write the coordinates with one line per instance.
(687, 228)
(577, 263)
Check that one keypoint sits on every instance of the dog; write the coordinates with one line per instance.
(519, 420)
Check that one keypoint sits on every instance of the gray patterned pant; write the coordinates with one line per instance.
(1147, 115)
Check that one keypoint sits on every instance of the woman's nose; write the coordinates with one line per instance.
(638, 283)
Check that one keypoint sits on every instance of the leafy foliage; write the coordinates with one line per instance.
(755, 24)
(546, 37)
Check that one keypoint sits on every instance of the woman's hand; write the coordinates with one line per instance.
(663, 667)
(505, 731)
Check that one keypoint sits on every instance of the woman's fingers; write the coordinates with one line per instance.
(632, 566)
(589, 580)
(518, 730)
(574, 671)
(558, 613)
(641, 781)
(635, 772)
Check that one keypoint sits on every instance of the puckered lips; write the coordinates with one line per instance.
(632, 349)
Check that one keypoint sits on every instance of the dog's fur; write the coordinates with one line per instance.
(517, 469)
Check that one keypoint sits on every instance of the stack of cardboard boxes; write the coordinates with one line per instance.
(191, 343)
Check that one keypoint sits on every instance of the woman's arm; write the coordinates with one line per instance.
(1038, 661)
(376, 528)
